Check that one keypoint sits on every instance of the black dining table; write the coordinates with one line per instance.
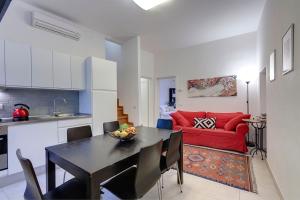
(96, 159)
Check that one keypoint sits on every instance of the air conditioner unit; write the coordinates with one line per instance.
(54, 25)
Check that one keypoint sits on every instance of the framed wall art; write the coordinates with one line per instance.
(225, 86)
(272, 65)
(288, 50)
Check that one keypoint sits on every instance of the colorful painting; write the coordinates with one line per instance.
(213, 87)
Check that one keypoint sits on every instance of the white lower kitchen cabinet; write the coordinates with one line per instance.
(64, 125)
(32, 140)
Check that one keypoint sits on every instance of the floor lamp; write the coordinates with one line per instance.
(249, 143)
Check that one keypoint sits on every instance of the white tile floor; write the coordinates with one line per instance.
(194, 187)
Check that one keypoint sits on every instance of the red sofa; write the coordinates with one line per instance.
(229, 134)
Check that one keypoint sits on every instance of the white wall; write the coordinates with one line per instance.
(145, 103)
(164, 85)
(15, 26)
(113, 52)
(147, 64)
(147, 71)
(232, 56)
(283, 96)
(263, 90)
(129, 79)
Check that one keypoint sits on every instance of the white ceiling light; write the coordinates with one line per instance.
(148, 4)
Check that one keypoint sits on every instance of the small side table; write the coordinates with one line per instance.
(259, 125)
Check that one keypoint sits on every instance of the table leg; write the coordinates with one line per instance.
(93, 189)
(180, 163)
(261, 145)
(258, 140)
(254, 151)
(50, 173)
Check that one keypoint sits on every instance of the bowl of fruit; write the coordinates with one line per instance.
(125, 133)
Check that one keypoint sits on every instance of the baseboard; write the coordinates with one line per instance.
(17, 177)
(274, 180)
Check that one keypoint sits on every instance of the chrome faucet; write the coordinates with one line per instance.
(54, 105)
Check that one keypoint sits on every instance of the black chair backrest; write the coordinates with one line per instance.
(148, 168)
(164, 124)
(110, 126)
(33, 190)
(78, 133)
(173, 150)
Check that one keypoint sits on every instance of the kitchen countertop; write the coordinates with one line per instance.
(43, 118)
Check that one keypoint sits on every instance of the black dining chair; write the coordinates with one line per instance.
(72, 189)
(136, 181)
(172, 156)
(164, 124)
(78, 133)
(110, 126)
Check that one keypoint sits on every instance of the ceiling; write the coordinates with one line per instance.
(175, 24)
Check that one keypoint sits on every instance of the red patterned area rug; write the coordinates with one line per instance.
(221, 166)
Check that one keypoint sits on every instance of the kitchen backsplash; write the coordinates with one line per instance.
(39, 101)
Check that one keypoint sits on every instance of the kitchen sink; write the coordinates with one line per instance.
(64, 115)
(57, 115)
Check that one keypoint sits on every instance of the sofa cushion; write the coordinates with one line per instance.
(231, 124)
(199, 131)
(222, 118)
(181, 120)
(205, 123)
(191, 115)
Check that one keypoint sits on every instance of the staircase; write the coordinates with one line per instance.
(122, 117)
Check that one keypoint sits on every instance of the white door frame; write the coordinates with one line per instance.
(157, 94)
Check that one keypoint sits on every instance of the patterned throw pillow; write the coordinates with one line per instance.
(205, 123)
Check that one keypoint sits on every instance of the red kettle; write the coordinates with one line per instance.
(21, 112)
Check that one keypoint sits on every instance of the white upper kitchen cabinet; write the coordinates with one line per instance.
(62, 70)
(42, 68)
(17, 64)
(103, 74)
(78, 73)
(2, 64)
(32, 140)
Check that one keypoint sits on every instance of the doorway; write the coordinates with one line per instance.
(166, 97)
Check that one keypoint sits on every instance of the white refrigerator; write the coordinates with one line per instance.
(100, 97)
